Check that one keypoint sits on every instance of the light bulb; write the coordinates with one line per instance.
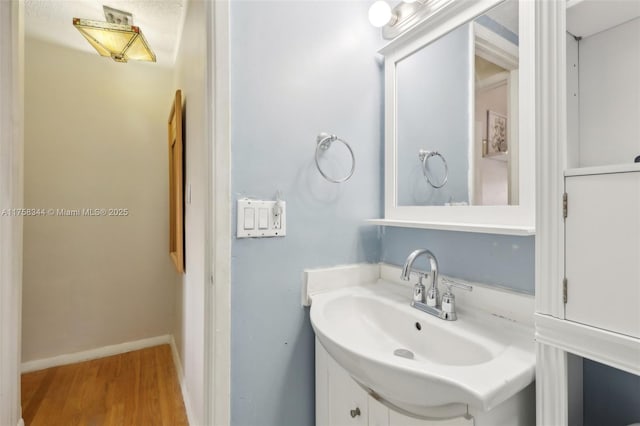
(380, 13)
(409, 1)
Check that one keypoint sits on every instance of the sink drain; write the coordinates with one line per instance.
(404, 353)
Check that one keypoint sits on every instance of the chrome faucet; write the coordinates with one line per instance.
(431, 298)
(430, 302)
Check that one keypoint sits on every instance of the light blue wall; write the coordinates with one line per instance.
(297, 69)
(611, 397)
(434, 102)
(485, 258)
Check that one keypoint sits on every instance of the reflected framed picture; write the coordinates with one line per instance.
(176, 200)
(496, 143)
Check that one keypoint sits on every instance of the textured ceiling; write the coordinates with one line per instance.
(159, 21)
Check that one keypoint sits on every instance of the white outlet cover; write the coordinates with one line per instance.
(250, 209)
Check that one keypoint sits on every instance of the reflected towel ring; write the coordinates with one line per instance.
(323, 143)
(424, 156)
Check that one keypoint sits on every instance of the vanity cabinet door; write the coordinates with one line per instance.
(378, 413)
(603, 251)
(340, 401)
(348, 402)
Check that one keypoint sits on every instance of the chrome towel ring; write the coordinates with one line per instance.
(424, 156)
(323, 143)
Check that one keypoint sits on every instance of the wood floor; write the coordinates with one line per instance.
(136, 388)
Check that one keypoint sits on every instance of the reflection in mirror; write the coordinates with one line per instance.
(456, 116)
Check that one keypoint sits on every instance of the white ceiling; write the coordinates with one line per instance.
(159, 21)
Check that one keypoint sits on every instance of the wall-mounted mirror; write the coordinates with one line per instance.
(455, 97)
(454, 112)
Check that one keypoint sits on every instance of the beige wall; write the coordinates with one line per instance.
(95, 138)
(188, 328)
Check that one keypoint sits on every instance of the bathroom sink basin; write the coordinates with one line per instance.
(416, 362)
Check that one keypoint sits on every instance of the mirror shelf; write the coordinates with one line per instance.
(462, 227)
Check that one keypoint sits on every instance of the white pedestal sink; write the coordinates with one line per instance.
(418, 363)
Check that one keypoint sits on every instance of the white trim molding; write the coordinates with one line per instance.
(552, 371)
(11, 196)
(495, 49)
(614, 349)
(551, 131)
(183, 386)
(551, 386)
(97, 353)
(217, 327)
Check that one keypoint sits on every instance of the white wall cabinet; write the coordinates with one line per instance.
(603, 251)
(340, 401)
(587, 265)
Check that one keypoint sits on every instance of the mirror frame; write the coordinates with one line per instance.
(512, 220)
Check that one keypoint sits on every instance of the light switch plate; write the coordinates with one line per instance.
(251, 221)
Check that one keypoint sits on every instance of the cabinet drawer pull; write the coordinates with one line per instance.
(356, 412)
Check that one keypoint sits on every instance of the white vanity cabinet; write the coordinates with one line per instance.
(603, 248)
(340, 401)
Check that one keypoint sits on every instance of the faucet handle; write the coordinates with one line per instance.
(449, 300)
(419, 290)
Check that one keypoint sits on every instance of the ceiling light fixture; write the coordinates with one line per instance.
(117, 38)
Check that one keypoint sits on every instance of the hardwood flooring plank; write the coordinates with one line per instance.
(135, 388)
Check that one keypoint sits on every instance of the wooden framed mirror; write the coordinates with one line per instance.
(176, 199)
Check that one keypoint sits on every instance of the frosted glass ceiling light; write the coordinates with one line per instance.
(380, 14)
(116, 38)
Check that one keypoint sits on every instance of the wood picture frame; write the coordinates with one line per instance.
(176, 186)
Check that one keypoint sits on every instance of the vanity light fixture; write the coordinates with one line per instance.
(380, 14)
(404, 15)
(117, 38)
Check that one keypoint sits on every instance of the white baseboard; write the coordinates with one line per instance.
(181, 379)
(41, 364)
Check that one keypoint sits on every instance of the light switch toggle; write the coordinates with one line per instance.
(263, 218)
(249, 218)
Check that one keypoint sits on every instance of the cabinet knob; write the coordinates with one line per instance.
(355, 413)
